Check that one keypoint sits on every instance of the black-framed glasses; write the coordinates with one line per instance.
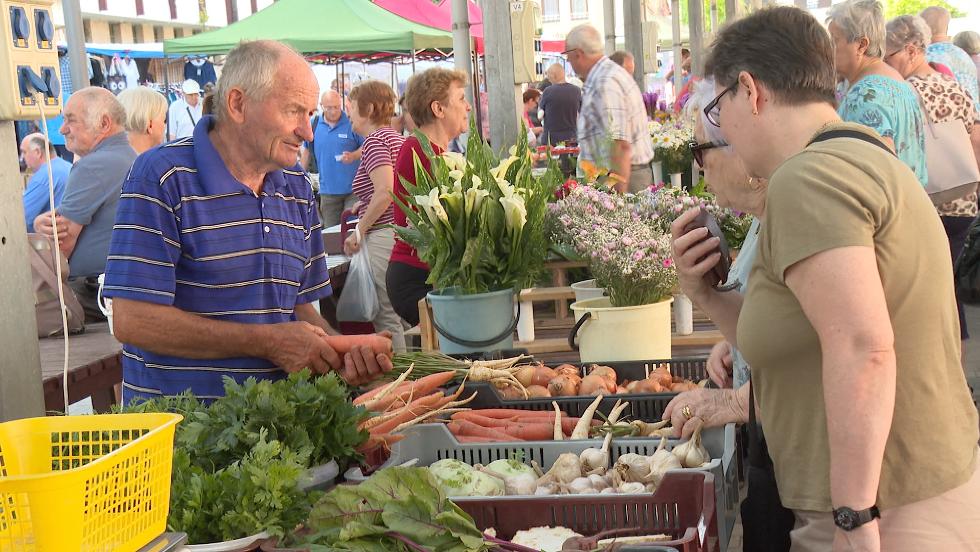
(697, 150)
(712, 111)
(566, 52)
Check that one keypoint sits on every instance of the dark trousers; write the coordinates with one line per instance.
(956, 230)
(406, 287)
(86, 290)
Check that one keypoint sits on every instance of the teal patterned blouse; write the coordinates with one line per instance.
(890, 108)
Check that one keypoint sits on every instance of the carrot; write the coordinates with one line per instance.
(367, 396)
(507, 413)
(531, 432)
(472, 439)
(343, 344)
(477, 417)
(472, 416)
(464, 427)
(411, 411)
(375, 441)
(417, 388)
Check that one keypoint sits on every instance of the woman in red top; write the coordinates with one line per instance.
(436, 100)
(372, 105)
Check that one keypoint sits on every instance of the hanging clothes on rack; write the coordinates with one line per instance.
(200, 70)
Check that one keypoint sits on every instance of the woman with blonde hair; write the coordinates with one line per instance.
(146, 117)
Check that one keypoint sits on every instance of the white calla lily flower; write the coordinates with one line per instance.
(515, 212)
(455, 161)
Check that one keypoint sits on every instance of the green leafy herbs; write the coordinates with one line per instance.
(396, 509)
(239, 461)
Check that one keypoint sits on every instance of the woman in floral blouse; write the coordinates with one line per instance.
(878, 97)
(944, 100)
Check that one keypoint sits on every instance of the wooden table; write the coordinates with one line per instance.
(94, 368)
(559, 278)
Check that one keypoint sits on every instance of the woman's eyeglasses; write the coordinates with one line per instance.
(712, 111)
(697, 150)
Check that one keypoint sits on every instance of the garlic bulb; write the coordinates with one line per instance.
(692, 453)
(523, 484)
(599, 482)
(632, 487)
(581, 485)
(661, 461)
(608, 490)
(545, 490)
(633, 467)
(593, 458)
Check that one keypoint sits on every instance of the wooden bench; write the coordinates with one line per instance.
(94, 370)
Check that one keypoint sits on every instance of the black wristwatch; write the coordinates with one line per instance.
(848, 520)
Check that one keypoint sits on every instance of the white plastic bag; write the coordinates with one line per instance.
(359, 299)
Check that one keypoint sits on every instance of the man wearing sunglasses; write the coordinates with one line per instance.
(612, 124)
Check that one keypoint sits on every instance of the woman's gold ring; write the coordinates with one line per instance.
(686, 411)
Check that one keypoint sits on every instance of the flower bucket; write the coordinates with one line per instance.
(607, 334)
(476, 322)
(586, 289)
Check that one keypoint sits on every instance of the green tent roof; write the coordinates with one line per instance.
(319, 26)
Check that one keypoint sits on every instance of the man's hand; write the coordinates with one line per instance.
(720, 364)
(347, 157)
(42, 225)
(351, 244)
(362, 365)
(298, 345)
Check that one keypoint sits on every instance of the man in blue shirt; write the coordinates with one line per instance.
(36, 196)
(337, 149)
(93, 130)
(217, 257)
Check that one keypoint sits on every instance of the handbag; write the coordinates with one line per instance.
(44, 278)
(766, 523)
(952, 165)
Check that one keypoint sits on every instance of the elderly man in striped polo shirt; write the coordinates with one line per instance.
(216, 255)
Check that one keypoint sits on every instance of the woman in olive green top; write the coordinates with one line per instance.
(849, 321)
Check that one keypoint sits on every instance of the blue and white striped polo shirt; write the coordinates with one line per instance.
(189, 234)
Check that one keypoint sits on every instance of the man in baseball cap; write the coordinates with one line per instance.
(186, 112)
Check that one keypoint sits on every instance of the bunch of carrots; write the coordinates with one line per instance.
(499, 425)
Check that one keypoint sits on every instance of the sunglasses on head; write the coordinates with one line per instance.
(697, 150)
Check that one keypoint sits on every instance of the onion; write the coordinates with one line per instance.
(646, 386)
(593, 385)
(510, 392)
(537, 392)
(604, 371)
(567, 369)
(534, 374)
(564, 386)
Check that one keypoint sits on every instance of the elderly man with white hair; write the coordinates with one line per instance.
(612, 125)
(217, 259)
(561, 103)
(942, 50)
(93, 130)
(36, 197)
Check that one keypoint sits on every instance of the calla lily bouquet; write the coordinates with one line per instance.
(476, 220)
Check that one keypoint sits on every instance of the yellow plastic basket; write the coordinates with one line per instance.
(85, 483)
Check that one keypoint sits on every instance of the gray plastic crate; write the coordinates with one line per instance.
(429, 443)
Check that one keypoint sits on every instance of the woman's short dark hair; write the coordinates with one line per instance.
(784, 48)
(531, 94)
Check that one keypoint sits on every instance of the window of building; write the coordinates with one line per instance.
(115, 33)
(178, 32)
(138, 33)
(87, 29)
(549, 10)
(157, 33)
(580, 9)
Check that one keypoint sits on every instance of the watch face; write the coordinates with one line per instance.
(844, 518)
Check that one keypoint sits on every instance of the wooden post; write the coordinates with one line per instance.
(714, 17)
(503, 93)
(696, 25)
(609, 25)
(633, 28)
(731, 10)
(21, 395)
(462, 50)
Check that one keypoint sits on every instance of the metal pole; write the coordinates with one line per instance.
(462, 45)
(633, 29)
(714, 16)
(75, 37)
(21, 395)
(609, 25)
(166, 88)
(413, 60)
(696, 35)
(675, 16)
(478, 104)
(731, 10)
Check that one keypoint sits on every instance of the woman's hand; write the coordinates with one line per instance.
(695, 254)
(720, 364)
(351, 244)
(708, 407)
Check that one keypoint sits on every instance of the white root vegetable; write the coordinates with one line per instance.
(692, 453)
(565, 469)
(376, 400)
(559, 435)
(645, 429)
(593, 458)
(581, 430)
(497, 377)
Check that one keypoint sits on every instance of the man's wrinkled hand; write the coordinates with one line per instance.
(363, 365)
(298, 345)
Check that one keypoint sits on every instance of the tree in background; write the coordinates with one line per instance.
(895, 8)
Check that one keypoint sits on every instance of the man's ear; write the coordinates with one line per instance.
(235, 107)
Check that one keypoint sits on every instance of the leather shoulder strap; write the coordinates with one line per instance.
(848, 133)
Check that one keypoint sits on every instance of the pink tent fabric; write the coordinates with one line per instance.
(436, 13)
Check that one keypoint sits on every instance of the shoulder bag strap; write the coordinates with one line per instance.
(189, 114)
(848, 133)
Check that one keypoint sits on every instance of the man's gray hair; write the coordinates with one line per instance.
(556, 72)
(586, 38)
(99, 103)
(907, 29)
(250, 67)
(861, 19)
(937, 17)
(37, 141)
(701, 96)
(969, 41)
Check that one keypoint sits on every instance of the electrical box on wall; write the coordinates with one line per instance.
(28, 60)
(525, 26)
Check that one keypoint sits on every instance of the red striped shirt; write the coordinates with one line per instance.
(380, 149)
(405, 168)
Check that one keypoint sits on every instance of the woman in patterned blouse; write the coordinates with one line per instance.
(944, 100)
(878, 97)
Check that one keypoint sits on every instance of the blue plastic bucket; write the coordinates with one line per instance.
(475, 322)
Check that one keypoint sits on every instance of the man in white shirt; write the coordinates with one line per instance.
(185, 113)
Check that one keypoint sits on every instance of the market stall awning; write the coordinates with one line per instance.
(320, 26)
(436, 13)
(148, 50)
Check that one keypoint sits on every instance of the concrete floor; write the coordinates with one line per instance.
(972, 366)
